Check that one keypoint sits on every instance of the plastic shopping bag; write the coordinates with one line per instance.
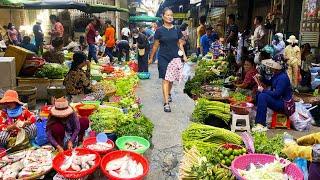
(302, 164)
(301, 119)
(186, 72)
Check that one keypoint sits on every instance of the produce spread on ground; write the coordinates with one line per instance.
(211, 150)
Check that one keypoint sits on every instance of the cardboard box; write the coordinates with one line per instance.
(7, 73)
(20, 55)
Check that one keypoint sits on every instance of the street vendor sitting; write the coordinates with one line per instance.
(64, 128)
(55, 53)
(14, 118)
(248, 82)
(279, 97)
(77, 81)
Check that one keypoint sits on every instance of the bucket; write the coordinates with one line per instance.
(27, 94)
(56, 91)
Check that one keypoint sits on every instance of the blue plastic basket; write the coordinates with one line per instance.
(144, 75)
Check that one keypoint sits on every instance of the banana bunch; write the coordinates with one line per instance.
(222, 174)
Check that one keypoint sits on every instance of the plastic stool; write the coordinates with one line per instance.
(235, 118)
(280, 120)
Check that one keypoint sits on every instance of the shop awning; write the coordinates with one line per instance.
(143, 18)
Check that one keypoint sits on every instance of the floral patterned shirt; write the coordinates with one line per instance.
(5, 121)
(77, 82)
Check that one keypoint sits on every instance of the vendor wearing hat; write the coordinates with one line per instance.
(293, 57)
(77, 81)
(279, 97)
(14, 117)
(278, 44)
(64, 128)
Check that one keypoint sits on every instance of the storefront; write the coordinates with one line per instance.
(310, 23)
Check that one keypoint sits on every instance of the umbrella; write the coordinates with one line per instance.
(143, 18)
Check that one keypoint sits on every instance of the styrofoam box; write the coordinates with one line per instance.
(7, 72)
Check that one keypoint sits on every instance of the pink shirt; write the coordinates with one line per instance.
(13, 34)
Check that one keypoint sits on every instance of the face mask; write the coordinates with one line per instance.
(13, 113)
(135, 36)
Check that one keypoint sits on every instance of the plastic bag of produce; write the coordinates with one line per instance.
(41, 137)
(301, 119)
(186, 73)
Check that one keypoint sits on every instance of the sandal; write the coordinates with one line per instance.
(170, 98)
(166, 107)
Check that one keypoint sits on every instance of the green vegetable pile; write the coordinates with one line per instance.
(207, 138)
(52, 71)
(265, 145)
(205, 73)
(141, 126)
(125, 85)
(238, 96)
(113, 119)
(205, 108)
(107, 119)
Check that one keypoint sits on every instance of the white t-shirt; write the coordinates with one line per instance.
(97, 38)
(258, 33)
(125, 31)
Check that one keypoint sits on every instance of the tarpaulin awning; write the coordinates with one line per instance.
(143, 18)
(100, 8)
(54, 4)
(10, 3)
(66, 4)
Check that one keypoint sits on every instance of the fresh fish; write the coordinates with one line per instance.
(75, 167)
(124, 167)
(68, 161)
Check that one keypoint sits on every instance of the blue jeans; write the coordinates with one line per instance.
(92, 53)
(108, 52)
(265, 101)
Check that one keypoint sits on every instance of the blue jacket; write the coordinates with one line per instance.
(206, 42)
(280, 86)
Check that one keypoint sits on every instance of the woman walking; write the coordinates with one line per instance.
(143, 46)
(169, 39)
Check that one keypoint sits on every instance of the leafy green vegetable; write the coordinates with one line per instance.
(52, 71)
(142, 127)
(265, 145)
(238, 96)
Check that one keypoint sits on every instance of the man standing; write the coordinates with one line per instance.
(259, 35)
(207, 40)
(110, 39)
(91, 39)
(38, 35)
(201, 30)
(125, 33)
(57, 30)
(232, 31)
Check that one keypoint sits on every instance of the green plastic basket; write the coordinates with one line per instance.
(96, 103)
(120, 142)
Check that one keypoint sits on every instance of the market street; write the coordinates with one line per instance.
(167, 146)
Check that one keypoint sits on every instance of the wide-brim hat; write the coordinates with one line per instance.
(292, 39)
(280, 36)
(10, 96)
(61, 108)
(271, 64)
